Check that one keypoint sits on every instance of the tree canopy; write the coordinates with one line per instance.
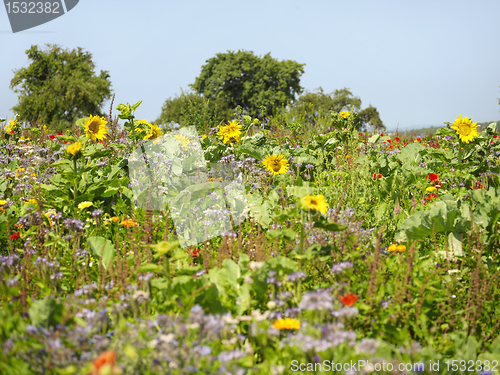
(193, 109)
(311, 106)
(249, 81)
(59, 86)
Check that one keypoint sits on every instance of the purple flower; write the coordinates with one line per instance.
(447, 137)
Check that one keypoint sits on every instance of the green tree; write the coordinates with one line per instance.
(59, 86)
(369, 116)
(193, 109)
(249, 81)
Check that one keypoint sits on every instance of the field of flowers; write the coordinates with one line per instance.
(259, 246)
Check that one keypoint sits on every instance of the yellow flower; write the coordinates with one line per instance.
(204, 136)
(430, 188)
(33, 175)
(47, 215)
(344, 114)
(115, 218)
(31, 200)
(400, 248)
(19, 171)
(10, 125)
(392, 248)
(45, 128)
(95, 127)
(287, 323)
(316, 202)
(465, 128)
(154, 132)
(128, 223)
(276, 164)
(86, 204)
(74, 148)
(182, 139)
(2, 202)
(230, 133)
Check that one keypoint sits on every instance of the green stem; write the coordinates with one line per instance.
(459, 150)
(75, 169)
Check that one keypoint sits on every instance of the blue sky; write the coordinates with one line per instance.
(419, 62)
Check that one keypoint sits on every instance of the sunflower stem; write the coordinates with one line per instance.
(459, 150)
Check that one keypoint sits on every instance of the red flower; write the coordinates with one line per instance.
(495, 136)
(15, 236)
(389, 141)
(12, 131)
(59, 133)
(196, 253)
(360, 134)
(404, 144)
(52, 136)
(397, 139)
(382, 134)
(431, 196)
(108, 359)
(479, 185)
(433, 177)
(419, 139)
(349, 299)
(376, 176)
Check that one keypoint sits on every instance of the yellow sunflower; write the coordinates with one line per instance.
(276, 164)
(230, 133)
(465, 128)
(74, 148)
(154, 132)
(316, 202)
(344, 114)
(95, 127)
(287, 323)
(182, 139)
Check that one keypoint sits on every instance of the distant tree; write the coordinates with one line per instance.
(193, 109)
(249, 81)
(369, 116)
(310, 106)
(59, 86)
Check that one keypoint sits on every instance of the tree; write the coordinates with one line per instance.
(249, 81)
(314, 107)
(369, 116)
(59, 86)
(193, 109)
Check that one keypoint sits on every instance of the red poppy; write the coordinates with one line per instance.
(419, 139)
(479, 185)
(15, 236)
(360, 134)
(59, 133)
(12, 131)
(52, 136)
(397, 139)
(196, 253)
(404, 144)
(495, 136)
(431, 196)
(390, 147)
(389, 141)
(107, 358)
(349, 299)
(376, 176)
(433, 177)
(382, 134)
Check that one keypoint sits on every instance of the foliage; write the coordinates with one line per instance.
(59, 86)
(249, 81)
(193, 109)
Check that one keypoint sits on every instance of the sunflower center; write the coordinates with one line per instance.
(276, 165)
(94, 127)
(314, 202)
(465, 130)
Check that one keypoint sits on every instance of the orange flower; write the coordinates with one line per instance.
(105, 364)
(349, 299)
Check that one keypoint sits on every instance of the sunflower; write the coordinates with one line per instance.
(230, 133)
(95, 127)
(288, 323)
(276, 164)
(316, 202)
(74, 148)
(154, 132)
(344, 114)
(182, 139)
(465, 128)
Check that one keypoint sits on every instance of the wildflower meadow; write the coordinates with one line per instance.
(254, 246)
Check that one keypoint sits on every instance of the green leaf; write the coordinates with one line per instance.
(102, 248)
(45, 313)
(149, 267)
(333, 227)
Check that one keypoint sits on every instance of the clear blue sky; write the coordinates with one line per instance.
(419, 62)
